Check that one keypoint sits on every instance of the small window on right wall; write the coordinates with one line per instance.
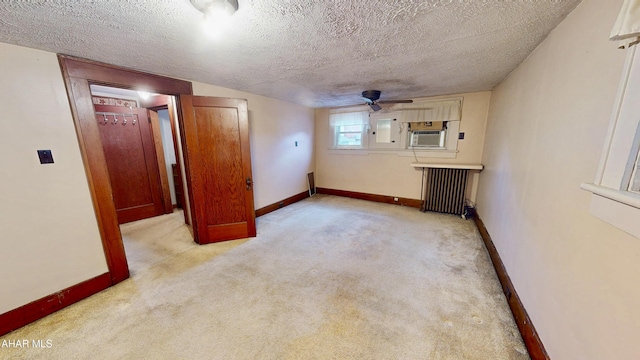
(616, 188)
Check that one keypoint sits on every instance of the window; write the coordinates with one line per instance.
(616, 189)
(434, 125)
(427, 134)
(349, 135)
(349, 129)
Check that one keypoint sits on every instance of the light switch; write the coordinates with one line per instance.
(46, 157)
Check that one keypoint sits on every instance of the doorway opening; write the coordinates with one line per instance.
(79, 75)
(212, 139)
(140, 143)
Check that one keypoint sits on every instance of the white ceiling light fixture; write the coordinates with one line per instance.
(144, 94)
(217, 13)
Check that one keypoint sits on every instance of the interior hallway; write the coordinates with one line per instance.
(327, 277)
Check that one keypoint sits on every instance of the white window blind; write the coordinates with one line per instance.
(349, 118)
(349, 129)
(434, 111)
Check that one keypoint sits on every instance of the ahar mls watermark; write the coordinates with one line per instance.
(24, 343)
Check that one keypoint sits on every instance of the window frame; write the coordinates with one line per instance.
(337, 132)
(611, 199)
(356, 116)
(396, 130)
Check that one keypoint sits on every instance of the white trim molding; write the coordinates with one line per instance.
(448, 166)
(442, 154)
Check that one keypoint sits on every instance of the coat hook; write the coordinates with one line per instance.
(133, 119)
(105, 118)
(115, 119)
(124, 116)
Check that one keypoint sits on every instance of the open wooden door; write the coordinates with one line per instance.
(216, 139)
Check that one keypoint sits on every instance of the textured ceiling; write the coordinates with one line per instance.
(314, 53)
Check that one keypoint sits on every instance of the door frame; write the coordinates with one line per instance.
(164, 102)
(156, 131)
(78, 74)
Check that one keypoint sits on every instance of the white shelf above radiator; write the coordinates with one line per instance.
(448, 166)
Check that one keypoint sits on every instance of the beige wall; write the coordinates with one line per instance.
(577, 276)
(390, 174)
(279, 167)
(49, 237)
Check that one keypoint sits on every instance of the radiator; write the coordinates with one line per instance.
(445, 190)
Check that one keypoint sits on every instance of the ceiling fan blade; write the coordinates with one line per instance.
(395, 102)
(375, 107)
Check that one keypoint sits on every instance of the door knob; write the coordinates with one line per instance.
(249, 183)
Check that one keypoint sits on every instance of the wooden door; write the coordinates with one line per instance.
(216, 133)
(130, 155)
(156, 133)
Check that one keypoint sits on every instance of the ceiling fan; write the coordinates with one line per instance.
(372, 96)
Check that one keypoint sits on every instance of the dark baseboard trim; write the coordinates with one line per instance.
(372, 197)
(38, 309)
(280, 204)
(527, 330)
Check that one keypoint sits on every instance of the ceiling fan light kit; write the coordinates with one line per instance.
(216, 9)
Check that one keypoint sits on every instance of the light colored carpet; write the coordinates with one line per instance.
(326, 278)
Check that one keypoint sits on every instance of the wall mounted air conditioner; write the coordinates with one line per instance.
(427, 138)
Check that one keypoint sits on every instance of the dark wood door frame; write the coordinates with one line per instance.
(78, 74)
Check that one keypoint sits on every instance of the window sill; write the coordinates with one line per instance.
(618, 208)
(444, 154)
(623, 197)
